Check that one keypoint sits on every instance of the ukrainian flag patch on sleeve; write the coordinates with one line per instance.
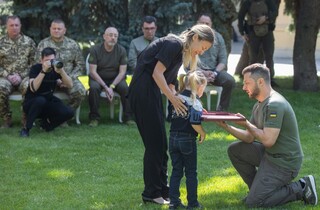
(273, 114)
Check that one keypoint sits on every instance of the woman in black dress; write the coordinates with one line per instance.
(156, 73)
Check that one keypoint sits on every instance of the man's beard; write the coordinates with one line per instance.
(255, 92)
(111, 44)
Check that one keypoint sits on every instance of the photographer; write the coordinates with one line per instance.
(39, 100)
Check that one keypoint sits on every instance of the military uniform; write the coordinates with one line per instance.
(223, 22)
(244, 58)
(69, 52)
(16, 56)
(247, 23)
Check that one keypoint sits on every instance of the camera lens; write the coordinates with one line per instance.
(57, 64)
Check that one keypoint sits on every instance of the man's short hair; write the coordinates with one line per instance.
(149, 19)
(58, 21)
(257, 71)
(205, 14)
(47, 51)
(12, 17)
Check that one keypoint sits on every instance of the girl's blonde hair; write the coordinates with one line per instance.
(205, 33)
(192, 80)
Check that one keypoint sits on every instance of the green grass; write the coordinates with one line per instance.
(80, 167)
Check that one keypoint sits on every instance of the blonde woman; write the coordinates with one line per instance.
(156, 72)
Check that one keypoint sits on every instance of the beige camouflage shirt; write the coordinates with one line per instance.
(68, 51)
(16, 56)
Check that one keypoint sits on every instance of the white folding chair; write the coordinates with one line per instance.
(210, 90)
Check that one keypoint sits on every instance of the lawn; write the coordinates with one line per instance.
(79, 167)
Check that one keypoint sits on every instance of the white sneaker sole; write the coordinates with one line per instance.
(313, 186)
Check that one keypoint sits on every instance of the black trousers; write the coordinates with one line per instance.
(227, 82)
(146, 103)
(51, 109)
(267, 43)
(94, 99)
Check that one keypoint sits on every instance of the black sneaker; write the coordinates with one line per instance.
(199, 206)
(45, 125)
(24, 132)
(309, 192)
(177, 206)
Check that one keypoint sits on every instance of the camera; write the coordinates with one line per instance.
(56, 63)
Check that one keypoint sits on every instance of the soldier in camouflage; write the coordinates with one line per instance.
(69, 52)
(17, 53)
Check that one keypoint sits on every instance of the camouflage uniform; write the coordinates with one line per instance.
(15, 57)
(69, 52)
(222, 19)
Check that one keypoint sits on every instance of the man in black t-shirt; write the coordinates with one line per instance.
(39, 100)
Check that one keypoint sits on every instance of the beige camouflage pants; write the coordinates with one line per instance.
(77, 93)
(6, 88)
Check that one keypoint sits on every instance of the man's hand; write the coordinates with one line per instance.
(242, 123)
(109, 92)
(209, 75)
(46, 66)
(245, 37)
(222, 124)
(60, 84)
(261, 20)
(14, 79)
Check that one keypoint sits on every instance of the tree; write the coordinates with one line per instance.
(172, 16)
(307, 25)
(223, 13)
(86, 20)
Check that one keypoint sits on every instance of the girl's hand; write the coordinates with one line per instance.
(202, 137)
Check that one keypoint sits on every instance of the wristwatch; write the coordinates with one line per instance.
(112, 86)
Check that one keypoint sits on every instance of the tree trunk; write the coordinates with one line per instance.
(307, 28)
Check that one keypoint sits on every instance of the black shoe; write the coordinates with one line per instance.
(24, 132)
(159, 200)
(130, 122)
(309, 192)
(199, 206)
(45, 125)
(177, 206)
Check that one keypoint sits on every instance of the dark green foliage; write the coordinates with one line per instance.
(172, 16)
(86, 20)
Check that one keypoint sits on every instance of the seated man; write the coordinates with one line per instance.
(214, 62)
(17, 53)
(108, 66)
(69, 52)
(39, 100)
(138, 44)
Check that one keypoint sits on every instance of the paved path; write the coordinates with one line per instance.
(282, 65)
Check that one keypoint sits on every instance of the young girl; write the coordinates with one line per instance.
(156, 72)
(182, 142)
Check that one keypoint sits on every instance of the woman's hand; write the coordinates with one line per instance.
(178, 105)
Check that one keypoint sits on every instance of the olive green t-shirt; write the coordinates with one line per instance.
(276, 112)
(108, 63)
